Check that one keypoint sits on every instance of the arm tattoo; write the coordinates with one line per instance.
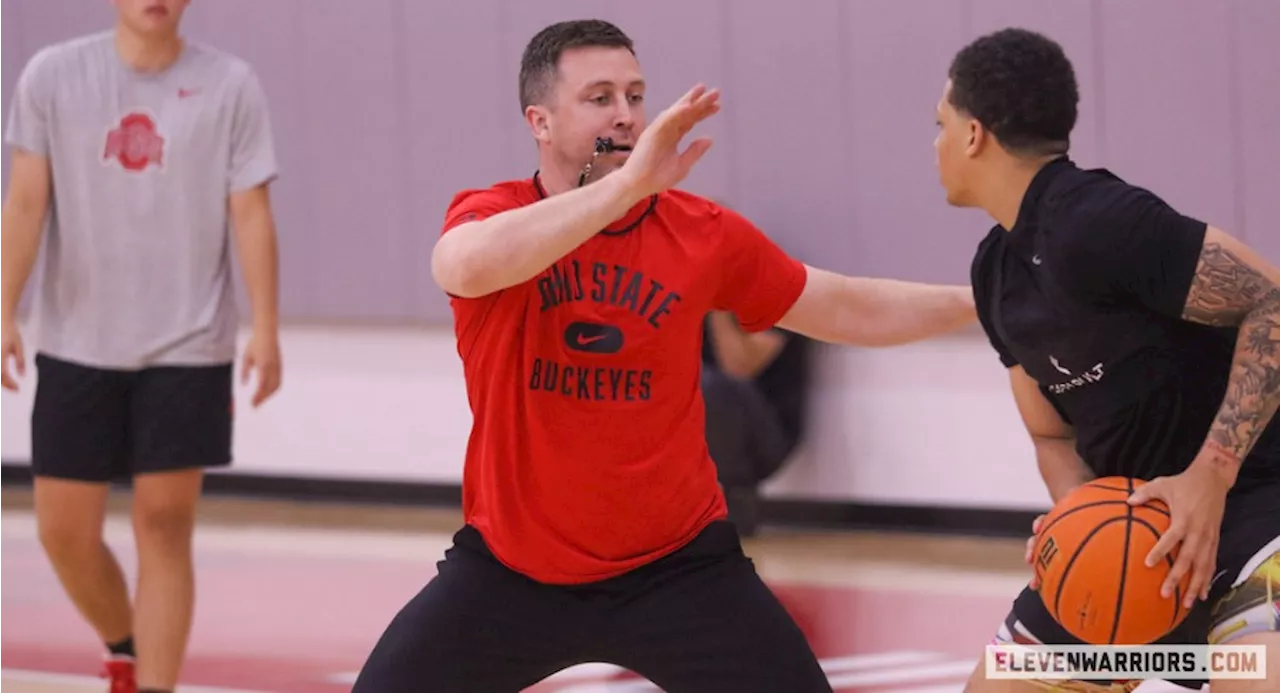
(1228, 291)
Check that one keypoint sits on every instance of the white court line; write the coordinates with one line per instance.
(922, 673)
(93, 682)
(879, 659)
(943, 688)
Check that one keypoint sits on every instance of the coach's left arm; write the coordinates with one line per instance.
(872, 312)
(255, 234)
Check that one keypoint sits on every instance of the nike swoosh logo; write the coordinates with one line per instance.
(584, 340)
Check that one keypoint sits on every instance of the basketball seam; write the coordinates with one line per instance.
(1090, 504)
(1062, 580)
(1124, 568)
(1177, 590)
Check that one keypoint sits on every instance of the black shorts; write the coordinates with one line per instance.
(1248, 544)
(95, 424)
(699, 620)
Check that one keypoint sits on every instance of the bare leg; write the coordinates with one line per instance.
(70, 516)
(164, 510)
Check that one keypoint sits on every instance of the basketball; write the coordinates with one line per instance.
(1090, 558)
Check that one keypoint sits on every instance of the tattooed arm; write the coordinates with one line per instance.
(1234, 286)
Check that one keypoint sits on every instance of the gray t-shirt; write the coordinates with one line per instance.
(137, 251)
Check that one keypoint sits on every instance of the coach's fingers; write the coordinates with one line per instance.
(694, 151)
(697, 105)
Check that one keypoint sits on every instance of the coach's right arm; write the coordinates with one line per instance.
(477, 258)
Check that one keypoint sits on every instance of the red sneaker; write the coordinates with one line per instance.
(119, 669)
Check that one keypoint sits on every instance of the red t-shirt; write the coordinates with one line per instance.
(587, 456)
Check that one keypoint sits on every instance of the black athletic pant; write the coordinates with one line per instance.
(697, 621)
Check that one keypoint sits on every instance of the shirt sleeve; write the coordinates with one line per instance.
(476, 205)
(1138, 250)
(30, 113)
(760, 282)
(979, 278)
(253, 156)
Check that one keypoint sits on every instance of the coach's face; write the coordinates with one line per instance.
(956, 147)
(599, 92)
(151, 17)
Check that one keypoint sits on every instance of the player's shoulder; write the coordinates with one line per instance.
(986, 253)
(1088, 200)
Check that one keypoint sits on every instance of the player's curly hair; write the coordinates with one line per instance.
(541, 57)
(1020, 85)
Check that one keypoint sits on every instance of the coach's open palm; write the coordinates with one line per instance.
(657, 164)
(12, 351)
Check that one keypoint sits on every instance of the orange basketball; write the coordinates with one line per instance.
(1090, 558)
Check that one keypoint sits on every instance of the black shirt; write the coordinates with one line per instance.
(784, 382)
(1086, 293)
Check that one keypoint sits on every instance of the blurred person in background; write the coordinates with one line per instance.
(136, 150)
(756, 388)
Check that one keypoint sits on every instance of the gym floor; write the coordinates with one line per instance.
(291, 597)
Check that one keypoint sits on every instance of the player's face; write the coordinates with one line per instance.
(151, 17)
(599, 93)
(954, 148)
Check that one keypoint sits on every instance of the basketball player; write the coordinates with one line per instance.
(136, 149)
(1140, 342)
(594, 526)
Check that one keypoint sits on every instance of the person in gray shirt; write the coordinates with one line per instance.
(135, 152)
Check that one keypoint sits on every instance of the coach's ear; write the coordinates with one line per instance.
(536, 116)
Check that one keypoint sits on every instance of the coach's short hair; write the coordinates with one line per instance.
(1020, 85)
(541, 57)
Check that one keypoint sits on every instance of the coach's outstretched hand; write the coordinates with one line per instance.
(656, 163)
(1196, 499)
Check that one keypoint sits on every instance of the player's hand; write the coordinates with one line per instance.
(656, 164)
(1031, 548)
(1196, 499)
(12, 350)
(262, 354)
